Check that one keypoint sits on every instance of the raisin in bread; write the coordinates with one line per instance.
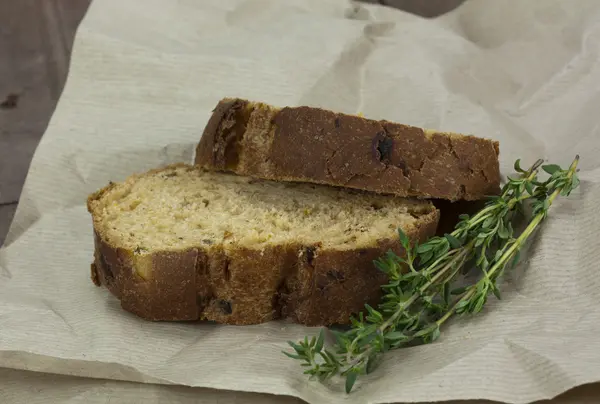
(323, 147)
(181, 243)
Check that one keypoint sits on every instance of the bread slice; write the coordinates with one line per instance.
(323, 147)
(180, 243)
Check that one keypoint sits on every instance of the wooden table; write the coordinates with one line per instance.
(35, 44)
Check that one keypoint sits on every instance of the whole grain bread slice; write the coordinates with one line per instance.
(181, 243)
(324, 147)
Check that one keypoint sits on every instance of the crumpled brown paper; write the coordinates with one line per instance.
(143, 80)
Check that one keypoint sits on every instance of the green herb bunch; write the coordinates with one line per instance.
(423, 291)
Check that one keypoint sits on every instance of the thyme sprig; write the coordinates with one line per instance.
(423, 289)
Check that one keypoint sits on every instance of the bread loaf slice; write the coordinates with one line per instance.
(180, 243)
(323, 147)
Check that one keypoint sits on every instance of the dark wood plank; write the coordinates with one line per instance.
(35, 43)
(423, 8)
(6, 214)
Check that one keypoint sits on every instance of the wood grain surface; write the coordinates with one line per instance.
(35, 44)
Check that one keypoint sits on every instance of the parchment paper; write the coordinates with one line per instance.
(18, 387)
(143, 80)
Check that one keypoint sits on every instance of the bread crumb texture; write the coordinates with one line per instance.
(183, 207)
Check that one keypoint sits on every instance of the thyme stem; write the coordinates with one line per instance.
(417, 302)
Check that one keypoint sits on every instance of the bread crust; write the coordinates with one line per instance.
(307, 284)
(315, 145)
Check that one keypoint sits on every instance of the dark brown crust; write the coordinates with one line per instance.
(224, 128)
(319, 146)
(309, 285)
